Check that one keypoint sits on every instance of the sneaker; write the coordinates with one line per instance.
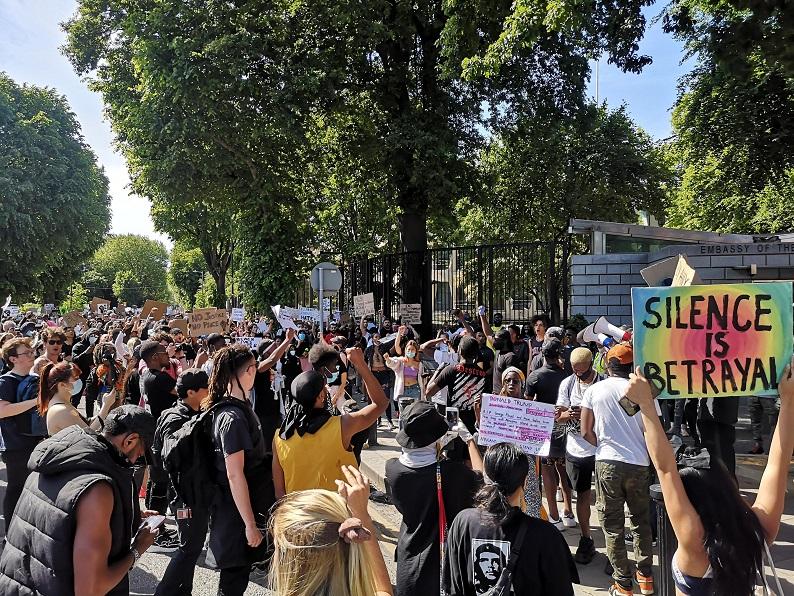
(617, 590)
(645, 582)
(167, 540)
(568, 520)
(378, 496)
(557, 523)
(756, 449)
(559, 495)
(586, 551)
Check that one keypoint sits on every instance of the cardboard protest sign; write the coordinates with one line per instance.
(709, 341)
(97, 302)
(238, 315)
(121, 308)
(283, 320)
(74, 318)
(525, 423)
(685, 275)
(180, 324)
(204, 321)
(150, 305)
(363, 305)
(410, 314)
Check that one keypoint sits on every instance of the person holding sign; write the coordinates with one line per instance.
(623, 473)
(721, 539)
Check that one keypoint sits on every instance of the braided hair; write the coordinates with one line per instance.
(226, 363)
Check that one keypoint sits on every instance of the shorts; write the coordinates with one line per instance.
(580, 471)
(556, 450)
(552, 461)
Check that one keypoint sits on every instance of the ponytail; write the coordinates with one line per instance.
(225, 365)
(506, 468)
(48, 382)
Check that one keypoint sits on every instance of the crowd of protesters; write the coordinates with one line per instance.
(254, 454)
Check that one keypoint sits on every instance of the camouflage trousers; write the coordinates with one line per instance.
(618, 483)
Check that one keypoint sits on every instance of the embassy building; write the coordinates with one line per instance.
(601, 282)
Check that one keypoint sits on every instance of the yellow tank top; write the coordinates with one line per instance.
(314, 460)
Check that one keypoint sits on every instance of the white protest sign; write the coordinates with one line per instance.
(363, 305)
(251, 342)
(292, 313)
(309, 314)
(8, 302)
(410, 314)
(283, 320)
(48, 308)
(262, 326)
(326, 303)
(525, 423)
(238, 315)
(13, 310)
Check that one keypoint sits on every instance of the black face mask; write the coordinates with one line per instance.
(586, 375)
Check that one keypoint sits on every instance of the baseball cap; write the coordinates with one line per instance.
(422, 425)
(134, 419)
(193, 379)
(623, 353)
(372, 327)
(307, 387)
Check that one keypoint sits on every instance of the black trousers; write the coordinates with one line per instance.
(234, 581)
(16, 462)
(178, 577)
(719, 439)
(157, 490)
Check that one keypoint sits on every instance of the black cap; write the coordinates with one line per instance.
(306, 388)
(133, 419)
(193, 379)
(422, 425)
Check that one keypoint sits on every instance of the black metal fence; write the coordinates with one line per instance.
(518, 280)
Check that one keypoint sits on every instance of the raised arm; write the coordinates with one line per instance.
(771, 496)
(484, 324)
(462, 319)
(366, 416)
(276, 354)
(398, 349)
(685, 521)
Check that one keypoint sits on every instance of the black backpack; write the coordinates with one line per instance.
(188, 454)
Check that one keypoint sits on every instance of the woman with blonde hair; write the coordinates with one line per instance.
(326, 544)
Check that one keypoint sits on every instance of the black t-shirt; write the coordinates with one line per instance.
(486, 361)
(478, 548)
(12, 439)
(544, 384)
(414, 493)
(157, 386)
(465, 384)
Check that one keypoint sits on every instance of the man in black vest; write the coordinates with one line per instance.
(73, 531)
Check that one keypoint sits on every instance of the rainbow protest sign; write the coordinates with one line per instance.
(708, 341)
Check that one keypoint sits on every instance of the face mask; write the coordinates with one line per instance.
(92, 340)
(77, 387)
(584, 375)
(443, 348)
(302, 336)
(292, 352)
(410, 354)
(332, 378)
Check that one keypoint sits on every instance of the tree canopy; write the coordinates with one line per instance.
(130, 268)
(55, 204)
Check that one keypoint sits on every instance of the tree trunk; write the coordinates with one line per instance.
(416, 286)
(219, 275)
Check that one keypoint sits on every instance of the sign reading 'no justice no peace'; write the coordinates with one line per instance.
(709, 341)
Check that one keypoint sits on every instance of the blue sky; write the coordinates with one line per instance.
(30, 37)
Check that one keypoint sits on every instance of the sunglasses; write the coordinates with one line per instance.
(54, 342)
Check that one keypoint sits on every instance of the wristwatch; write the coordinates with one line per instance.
(136, 556)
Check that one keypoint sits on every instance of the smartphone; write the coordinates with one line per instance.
(628, 406)
(452, 416)
(154, 521)
(441, 408)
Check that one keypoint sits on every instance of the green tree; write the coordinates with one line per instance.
(55, 204)
(135, 264)
(206, 295)
(186, 272)
(76, 298)
(734, 119)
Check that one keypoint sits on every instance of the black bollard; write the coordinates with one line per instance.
(667, 544)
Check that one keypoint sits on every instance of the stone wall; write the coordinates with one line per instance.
(601, 284)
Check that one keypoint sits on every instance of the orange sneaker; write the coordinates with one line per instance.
(645, 582)
(617, 590)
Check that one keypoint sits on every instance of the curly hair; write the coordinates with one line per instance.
(227, 362)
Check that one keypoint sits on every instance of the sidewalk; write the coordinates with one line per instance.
(593, 580)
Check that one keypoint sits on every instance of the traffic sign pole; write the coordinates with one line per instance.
(320, 294)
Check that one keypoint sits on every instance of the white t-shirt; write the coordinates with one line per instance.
(620, 436)
(576, 445)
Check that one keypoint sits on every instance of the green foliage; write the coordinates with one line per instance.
(206, 296)
(129, 267)
(55, 204)
(734, 120)
(186, 272)
(547, 170)
(76, 299)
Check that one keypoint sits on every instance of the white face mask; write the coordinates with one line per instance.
(410, 354)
